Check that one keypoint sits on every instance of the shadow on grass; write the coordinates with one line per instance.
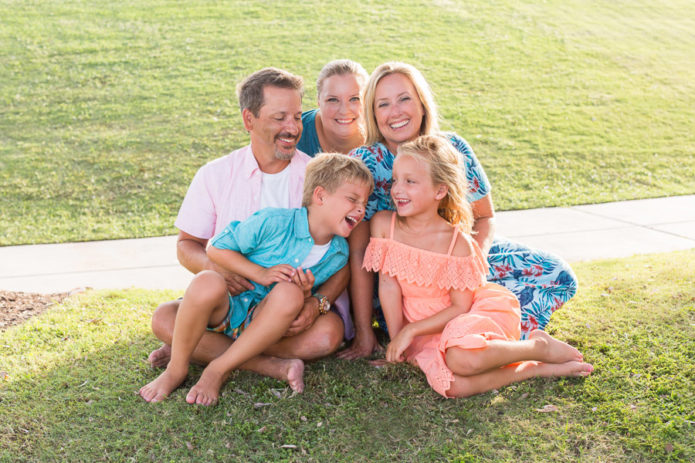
(74, 373)
(86, 407)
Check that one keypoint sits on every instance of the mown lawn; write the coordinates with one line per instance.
(108, 108)
(72, 373)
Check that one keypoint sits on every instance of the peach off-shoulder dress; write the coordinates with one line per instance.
(426, 278)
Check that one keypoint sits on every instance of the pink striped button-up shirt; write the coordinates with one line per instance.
(229, 188)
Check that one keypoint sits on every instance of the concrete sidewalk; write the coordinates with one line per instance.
(619, 229)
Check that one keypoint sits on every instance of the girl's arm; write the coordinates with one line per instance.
(391, 300)
(390, 295)
(236, 262)
(461, 301)
(460, 304)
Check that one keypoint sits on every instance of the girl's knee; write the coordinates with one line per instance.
(462, 362)
(462, 387)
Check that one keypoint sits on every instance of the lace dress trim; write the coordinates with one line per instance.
(425, 268)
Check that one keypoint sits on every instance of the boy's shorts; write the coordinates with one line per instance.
(225, 328)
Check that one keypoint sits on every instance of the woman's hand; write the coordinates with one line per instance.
(270, 275)
(400, 342)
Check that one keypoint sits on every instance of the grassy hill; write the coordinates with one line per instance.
(108, 108)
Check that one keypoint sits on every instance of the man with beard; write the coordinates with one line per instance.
(267, 173)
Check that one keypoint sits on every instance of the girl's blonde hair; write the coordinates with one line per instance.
(341, 67)
(446, 168)
(430, 118)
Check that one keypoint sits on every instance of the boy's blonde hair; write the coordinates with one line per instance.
(330, 171)
(446, 168)
(430, 119)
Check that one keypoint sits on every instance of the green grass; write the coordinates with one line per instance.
(73, 373)
(108, 108)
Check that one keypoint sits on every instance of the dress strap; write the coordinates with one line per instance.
(453, 241)
(393, 224)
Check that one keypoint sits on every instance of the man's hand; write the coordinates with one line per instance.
(305, 280)
(306, 318)
(363, 345)
(236, 284)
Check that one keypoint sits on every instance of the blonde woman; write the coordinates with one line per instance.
(399, 107)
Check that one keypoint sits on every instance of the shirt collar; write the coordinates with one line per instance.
(249, 165)
(301, 223)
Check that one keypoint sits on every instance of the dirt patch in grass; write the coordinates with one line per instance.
(17, 307)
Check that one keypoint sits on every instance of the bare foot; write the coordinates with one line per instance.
(160, 388)
(294, 374)
(553, 350)
(288, 370)
(571, 368)
(159, 358)
(207, 390)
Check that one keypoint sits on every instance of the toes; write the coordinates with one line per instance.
(297, 386)
(144, 394)
(199, 397)
(587, 369)
(151, 396)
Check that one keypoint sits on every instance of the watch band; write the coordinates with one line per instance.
(324, 303)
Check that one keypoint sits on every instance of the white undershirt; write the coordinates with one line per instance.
(315, 255)
(275, 189)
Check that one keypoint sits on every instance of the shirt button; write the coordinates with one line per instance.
(296, 260)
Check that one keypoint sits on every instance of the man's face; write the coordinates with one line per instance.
(278, 127)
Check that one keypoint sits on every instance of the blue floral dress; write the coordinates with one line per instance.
(543, 282)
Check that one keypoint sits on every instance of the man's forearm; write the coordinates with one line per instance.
(192, 255)
(336, 284)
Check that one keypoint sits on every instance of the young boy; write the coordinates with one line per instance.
(270, 249)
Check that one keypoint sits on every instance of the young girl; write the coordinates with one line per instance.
(441, 313)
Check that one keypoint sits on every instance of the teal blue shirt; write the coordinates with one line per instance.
(271, 237)
(309, 143)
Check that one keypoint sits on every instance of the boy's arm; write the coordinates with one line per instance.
(234, 261)
(190, 251)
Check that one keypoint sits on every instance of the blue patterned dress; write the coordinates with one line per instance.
(543, 282)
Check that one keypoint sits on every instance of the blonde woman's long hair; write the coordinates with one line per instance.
(430, 118)
(446, 168)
